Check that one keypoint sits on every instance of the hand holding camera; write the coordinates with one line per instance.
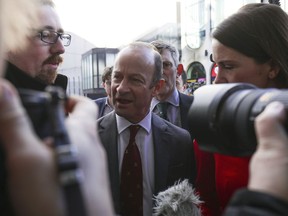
(31, 165)
(272, 150)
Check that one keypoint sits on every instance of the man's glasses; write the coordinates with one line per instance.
(51, 37)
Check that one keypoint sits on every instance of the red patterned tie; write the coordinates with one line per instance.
(131, 188)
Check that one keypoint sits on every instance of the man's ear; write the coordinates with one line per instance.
(158, 86)
(273, 70)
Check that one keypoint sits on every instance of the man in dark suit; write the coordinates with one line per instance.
(105, 105)
(178, 104)
(166, 151)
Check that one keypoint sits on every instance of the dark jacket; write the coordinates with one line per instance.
(173, 154)
(22, 80)
(252, 203)
(101, 102)
(185, 101)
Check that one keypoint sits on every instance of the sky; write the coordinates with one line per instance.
(112, 23)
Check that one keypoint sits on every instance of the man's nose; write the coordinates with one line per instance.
(58, 47)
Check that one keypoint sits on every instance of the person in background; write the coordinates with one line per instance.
(105, 105)
(181, 81)
(163, 152)
(32, 173)
(35, 66)
(248, 47)
(176, 104)
(170, 103)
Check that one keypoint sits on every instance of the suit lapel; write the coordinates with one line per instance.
(161, 153)
(102, 107)
(185, 102)
(108, 134)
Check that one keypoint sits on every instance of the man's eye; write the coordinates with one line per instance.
(45, 34)
(116, 78)
(167, 65)
(136, 80)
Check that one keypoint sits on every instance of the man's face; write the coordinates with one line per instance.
(131, 83)
(169, 74)
(39, 59)
(107, 86)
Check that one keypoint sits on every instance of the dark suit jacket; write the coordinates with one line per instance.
(173, 154)
(101, 105)
(185, 102)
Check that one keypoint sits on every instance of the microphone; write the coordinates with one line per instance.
(178, 200)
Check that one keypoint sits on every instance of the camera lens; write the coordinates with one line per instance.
(222, 116)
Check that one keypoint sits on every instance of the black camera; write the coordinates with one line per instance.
(46, 111)
(222, 116)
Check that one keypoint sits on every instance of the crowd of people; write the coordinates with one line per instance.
(141, 144)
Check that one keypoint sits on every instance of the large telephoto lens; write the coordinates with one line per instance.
(222, 116)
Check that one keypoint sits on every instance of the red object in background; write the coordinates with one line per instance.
(180, 69)
(214, 70)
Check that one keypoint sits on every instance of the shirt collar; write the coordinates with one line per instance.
(123, 123)
(172, 99)
(107, 103)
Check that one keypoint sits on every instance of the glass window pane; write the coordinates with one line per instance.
(194, 22)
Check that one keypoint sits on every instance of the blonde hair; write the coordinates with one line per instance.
(16, 19)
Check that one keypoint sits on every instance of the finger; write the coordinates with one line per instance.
(270, 159)
(15, 126)
(269, 126)
(84, 114)
(82, 128)
(79, 106)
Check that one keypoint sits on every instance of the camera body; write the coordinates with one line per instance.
(46, 112)
(222, 116)
(42, 109)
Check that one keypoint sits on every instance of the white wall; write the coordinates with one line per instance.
(71, 66)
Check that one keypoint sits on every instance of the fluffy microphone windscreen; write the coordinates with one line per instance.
(178, 200)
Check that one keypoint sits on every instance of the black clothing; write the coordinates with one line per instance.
(251, 203)
(22, 80)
